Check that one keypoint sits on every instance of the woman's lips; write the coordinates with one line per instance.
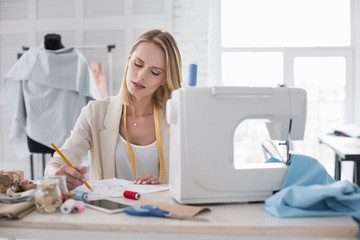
(138, 86)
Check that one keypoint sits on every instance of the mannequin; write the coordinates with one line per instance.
(52, 41)
(45, 76)
(35, 147)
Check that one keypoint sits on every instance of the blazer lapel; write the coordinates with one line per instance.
(109, 136)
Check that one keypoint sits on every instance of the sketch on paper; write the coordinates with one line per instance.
(115, 188)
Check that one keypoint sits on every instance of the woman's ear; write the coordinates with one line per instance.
(164, 83)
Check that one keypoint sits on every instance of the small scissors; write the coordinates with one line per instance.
(150, 210)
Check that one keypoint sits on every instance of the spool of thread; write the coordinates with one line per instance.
(192, 74)
(132, 195)
(67, 195)
(67, 206)
(81, 196)
(78, 207)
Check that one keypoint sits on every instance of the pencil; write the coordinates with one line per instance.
(68, 163)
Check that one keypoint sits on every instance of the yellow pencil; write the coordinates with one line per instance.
(68, 163)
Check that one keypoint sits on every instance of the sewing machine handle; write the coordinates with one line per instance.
(240, 91)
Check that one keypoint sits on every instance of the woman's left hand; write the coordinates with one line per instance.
(148, 179)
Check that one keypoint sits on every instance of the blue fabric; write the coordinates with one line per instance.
(308, 190)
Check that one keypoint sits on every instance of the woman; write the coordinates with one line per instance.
(120, 131)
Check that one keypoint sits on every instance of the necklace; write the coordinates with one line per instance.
(158, 143)
(134, 120)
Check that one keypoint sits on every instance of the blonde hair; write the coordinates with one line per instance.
(173, 67)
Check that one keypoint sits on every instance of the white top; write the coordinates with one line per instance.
(146, 160)
(45, 92)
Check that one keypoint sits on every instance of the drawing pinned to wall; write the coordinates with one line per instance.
(99, 78)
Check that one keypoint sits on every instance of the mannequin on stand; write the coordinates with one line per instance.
(44, 98)
(51, 42)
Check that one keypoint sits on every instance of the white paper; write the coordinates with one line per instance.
(115, 188)
(25, 196)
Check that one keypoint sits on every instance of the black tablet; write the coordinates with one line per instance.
(106, 206)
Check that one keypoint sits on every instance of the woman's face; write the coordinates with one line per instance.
(146, 71)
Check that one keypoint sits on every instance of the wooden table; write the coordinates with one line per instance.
(346, 149)
(226, 221)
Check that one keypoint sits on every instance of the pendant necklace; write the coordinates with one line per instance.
(134, 121)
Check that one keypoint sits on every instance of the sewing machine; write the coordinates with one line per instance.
(203, 121)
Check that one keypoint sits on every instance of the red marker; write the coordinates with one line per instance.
(132, 195)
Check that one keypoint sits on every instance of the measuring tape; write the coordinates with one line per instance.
(158, 144)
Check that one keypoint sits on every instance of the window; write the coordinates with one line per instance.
(285, 23)
(242, 68)
(300, 43)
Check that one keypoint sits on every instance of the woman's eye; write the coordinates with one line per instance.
(155, 73)
(136, 64)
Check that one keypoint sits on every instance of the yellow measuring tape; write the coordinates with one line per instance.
(158, 144)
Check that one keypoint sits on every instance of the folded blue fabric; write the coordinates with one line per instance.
(308, 190)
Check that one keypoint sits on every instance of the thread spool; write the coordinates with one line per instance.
(132, 195)
(81, 196)
(192, 74)
(67, 195)
(67, 206)
(78, 207)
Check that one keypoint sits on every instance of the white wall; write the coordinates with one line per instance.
(25, 22)
(190, 28)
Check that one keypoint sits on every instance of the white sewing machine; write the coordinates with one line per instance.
(203, 121)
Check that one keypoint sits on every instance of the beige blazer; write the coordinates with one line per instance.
(97, 130)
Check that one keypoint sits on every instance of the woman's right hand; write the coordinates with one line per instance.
(75, 177)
